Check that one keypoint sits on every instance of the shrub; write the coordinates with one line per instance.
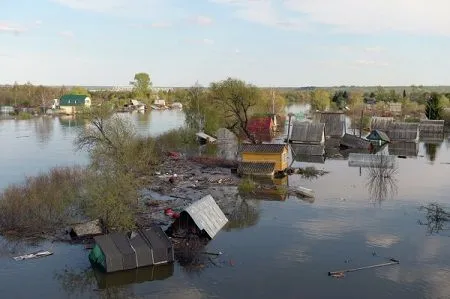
(247, 185)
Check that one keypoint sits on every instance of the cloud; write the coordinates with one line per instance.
(134, 8)
(370, 62)
(384, 241)
(263, 12)
(66, 34)
(38, 22)
(355, 16)
(348, 16)
(161, 25)
(202, 20)
(205, 41)
(376, 49)
(237, 51)
(9, 28)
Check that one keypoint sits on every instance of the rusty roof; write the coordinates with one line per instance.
(263, 148)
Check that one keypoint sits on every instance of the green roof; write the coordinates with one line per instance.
(72, 100)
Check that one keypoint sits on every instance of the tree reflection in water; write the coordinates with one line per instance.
(436, 217)
(244, 214)
(381, 179)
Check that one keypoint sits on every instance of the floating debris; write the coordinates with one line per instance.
(341, 273)
(33, 255)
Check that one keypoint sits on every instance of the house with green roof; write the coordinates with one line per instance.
(73, 103)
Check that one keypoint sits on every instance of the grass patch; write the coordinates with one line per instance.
(247, 185)
(24, 115)
(311, 172)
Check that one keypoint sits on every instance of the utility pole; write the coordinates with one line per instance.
(289, 127)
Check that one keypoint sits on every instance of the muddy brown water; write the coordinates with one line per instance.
(271, 247)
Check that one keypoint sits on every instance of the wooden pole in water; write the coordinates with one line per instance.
(392, 262)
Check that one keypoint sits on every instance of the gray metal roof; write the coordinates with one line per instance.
(353, 141)
(256, 168)
(306, 132)
(334, 123)
(403, 131)
(371, 160)
(263, 148)
(381, 123)
(207, 215)
(431, 126)
(308, 149)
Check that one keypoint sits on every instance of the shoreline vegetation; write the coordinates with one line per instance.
(123, 165)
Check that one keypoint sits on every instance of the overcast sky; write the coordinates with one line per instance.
(265, 42)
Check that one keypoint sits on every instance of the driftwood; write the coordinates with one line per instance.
(340, 274)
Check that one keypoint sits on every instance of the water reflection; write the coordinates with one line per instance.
(436, 217)
(43, 128)
(430, 151)
(245, 213)
(381, 178)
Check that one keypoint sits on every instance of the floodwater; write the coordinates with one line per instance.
(275, 247)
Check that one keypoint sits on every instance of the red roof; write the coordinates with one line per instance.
(260, 125)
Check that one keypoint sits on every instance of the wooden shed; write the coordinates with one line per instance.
(308, 133)
(402, 131)
(334, 123)
(277, 153)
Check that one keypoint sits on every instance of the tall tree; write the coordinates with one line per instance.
(141, 85)
(320, 99)
(80, 91)
(433, 109)
(236, 99)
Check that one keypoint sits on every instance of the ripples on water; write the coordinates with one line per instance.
(284, 249)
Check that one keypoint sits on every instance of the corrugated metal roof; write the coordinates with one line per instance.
(371, 160)
(207, 215)
(409, 149)
(308, 149)
(256, 168)
(381, 123)
(263, 148)
(307, 132)
(403, 131)
(431, 126)
(353, 141)
(334, 123)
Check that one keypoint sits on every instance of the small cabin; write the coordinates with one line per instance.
(277, 153)
(403, 131)
(73, 103)
(379, 137)
(261, 127)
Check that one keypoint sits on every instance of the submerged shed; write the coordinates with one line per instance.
(381, 123)
(308, 149)
(371, 160)
(403, 148)
(378, 136)
(204, 215)
(334, 123)
(403, 131)
(308, 133)
(277, 153)
(117, 252)
(256, 168)
(431, 127)
(353, 141)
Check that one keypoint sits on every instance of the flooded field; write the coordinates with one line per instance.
(278, 247)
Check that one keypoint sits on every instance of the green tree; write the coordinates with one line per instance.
(141, 85)
(433, 109)
(79, 90)
(236, 100)
(320, 99)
